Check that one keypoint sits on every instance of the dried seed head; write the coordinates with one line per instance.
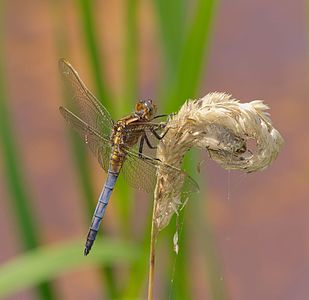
(225, 128)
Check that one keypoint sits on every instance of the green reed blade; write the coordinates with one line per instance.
(192, 56)
(183, 85)
(87, 19)
(208, 243)
(79, 150)
(47, 263)
(130, 67)
(178, 276)
(15, 177)
(17, 187)
(129, 95)
(171, 20)
(138, 270)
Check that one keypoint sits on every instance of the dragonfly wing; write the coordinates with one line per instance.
(141, 172)
(89, 108)
(98, 144)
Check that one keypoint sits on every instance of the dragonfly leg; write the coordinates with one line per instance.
(141, 144)
(148, 142)
(158, 136)
(160, 116)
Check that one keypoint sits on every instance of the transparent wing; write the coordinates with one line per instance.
(141, 172)
(89, 109)
(98, 144)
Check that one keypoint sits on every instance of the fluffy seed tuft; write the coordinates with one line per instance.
(236, 135)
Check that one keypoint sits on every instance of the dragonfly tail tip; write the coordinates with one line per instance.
(86, 251)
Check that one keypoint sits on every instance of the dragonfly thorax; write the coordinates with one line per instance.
(145, 110)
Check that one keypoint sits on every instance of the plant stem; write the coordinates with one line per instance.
(151, 269)
(152, 253)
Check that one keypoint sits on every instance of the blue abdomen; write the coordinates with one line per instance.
(100, 209)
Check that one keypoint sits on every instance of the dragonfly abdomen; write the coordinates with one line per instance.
(100, 209)
(116, 159)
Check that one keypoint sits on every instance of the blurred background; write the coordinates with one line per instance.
(245, 236)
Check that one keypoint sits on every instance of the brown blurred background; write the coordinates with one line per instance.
(258, 50)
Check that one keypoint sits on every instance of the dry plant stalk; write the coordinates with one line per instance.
(225, 128)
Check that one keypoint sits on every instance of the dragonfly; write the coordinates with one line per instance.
(118, 145)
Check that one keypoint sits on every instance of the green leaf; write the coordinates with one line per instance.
(187, 62)
(192, 56)
(15, 178)
(87, 19)
(44, 264)
(171, 20)
(130, 54)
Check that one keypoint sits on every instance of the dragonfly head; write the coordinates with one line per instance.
(145, 109)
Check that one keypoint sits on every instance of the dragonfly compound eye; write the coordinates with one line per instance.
(139, 106)
(150, 106)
